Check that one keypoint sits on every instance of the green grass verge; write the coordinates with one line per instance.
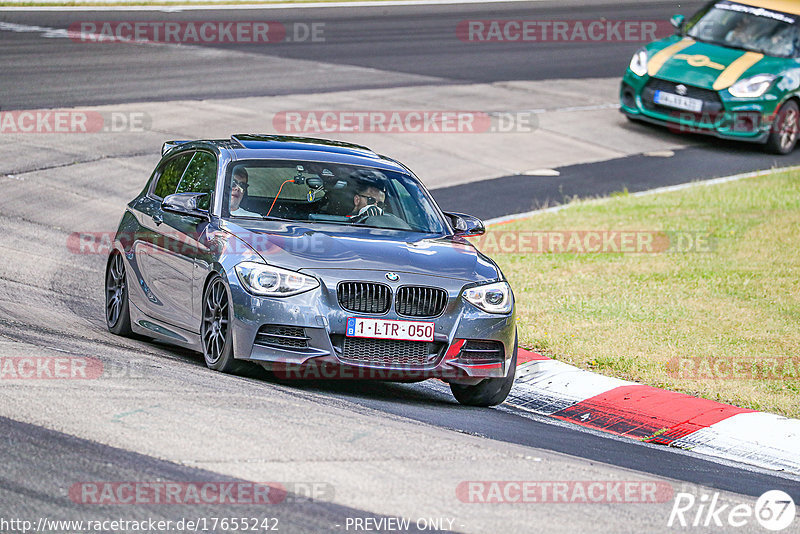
(723, 325)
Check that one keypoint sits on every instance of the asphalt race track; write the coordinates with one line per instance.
(401, 46)
(369, 450)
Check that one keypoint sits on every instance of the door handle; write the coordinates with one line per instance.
(158, 219)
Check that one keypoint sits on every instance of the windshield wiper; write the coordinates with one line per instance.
(737, 47)
(763, 51)
(259, 217)
(273, 218)
(719, 43)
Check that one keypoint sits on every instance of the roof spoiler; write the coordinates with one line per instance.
(169, 145)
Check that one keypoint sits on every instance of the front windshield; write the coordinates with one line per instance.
(328, 193)
(750, 28)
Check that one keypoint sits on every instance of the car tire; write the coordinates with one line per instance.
(783, 137)
(216, 334)
(118, 313)
(488, 392)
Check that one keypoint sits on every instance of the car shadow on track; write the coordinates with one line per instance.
(698, 140)
(365, 390)
(349, 388)
(374, 390)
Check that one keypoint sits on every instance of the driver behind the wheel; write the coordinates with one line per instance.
(368, 201)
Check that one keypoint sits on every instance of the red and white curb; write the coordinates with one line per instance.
(645, 413)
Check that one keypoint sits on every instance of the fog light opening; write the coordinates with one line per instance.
(628, 97)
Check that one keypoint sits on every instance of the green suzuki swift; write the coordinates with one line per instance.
(732, 70)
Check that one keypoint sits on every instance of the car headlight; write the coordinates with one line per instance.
(267, 280)
(492, 298)
(752, 87)
(639, 62)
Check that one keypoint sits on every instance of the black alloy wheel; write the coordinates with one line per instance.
(118, 317)
(215, 331)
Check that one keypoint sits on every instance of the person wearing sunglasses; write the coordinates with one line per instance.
(238, 193)
(368, 201)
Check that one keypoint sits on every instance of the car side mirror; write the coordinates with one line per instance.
(677, 23)
(466, 225)
(185, 204)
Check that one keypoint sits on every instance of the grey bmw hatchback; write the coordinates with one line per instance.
(313, 259)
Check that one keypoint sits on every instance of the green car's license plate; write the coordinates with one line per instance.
(678, 101)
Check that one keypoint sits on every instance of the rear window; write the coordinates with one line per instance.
(171, 172)
(200, 177)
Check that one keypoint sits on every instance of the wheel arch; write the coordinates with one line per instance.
(794, 97)
(216, 270)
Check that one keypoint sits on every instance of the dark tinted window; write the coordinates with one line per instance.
(200, 177)
(171, 174)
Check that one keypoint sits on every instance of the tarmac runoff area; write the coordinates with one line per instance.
(492, 130)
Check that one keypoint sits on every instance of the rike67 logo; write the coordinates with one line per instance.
(774, 510)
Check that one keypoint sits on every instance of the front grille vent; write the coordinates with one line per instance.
(282, 336)
(389, 353)
(712, 104)
(414, 301)
(364, 297)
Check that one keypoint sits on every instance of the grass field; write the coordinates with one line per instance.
(717, 315)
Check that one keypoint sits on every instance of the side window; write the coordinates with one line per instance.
(170, 175)
(200, 177)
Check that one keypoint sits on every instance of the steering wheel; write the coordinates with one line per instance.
(369, 211)
(387, 221)
(360, 219)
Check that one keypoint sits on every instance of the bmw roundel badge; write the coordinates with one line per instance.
(392, 277)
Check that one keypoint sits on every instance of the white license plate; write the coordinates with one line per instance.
(389, 329)
(678, 101)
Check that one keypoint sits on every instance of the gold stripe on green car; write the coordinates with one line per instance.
(661, 57)
(730, 75)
